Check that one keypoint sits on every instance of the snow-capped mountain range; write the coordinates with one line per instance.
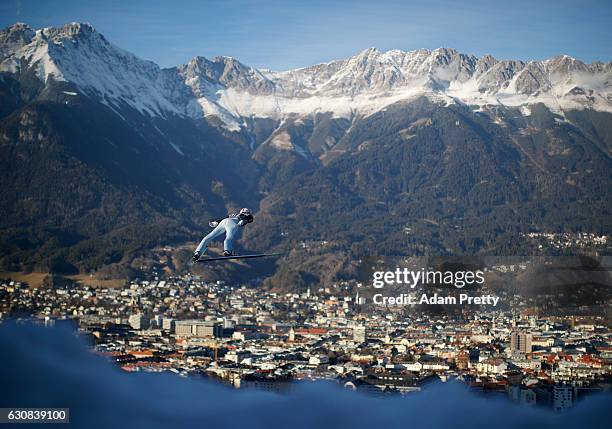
(357, 86)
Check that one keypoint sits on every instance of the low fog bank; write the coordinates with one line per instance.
(52, 367)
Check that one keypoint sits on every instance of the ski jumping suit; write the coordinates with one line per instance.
(229, 225)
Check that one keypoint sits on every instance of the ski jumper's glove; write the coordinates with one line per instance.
(243, 219)
(214, 222)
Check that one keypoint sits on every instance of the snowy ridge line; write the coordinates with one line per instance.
(362, 84)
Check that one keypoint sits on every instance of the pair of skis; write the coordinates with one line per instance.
(223, 258)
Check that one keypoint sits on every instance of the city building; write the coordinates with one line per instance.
(520, 342)
(138, 321)
(198, 328)
(562, 398)
(359, 334)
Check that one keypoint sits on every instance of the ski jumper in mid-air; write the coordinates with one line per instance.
(230, 226)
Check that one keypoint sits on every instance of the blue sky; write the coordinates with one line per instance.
(288, 34)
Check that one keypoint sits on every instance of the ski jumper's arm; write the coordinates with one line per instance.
(242, 219)
(214, 222)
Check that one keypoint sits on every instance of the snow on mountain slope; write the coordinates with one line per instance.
(371, 80)
(360, 85)
(208, 79)
(78, 54)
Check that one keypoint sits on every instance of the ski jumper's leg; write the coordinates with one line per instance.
(231, 228)
(219, 229)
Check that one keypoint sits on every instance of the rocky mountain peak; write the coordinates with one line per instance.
(14, 37)
(73, 30)
(201, 73)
